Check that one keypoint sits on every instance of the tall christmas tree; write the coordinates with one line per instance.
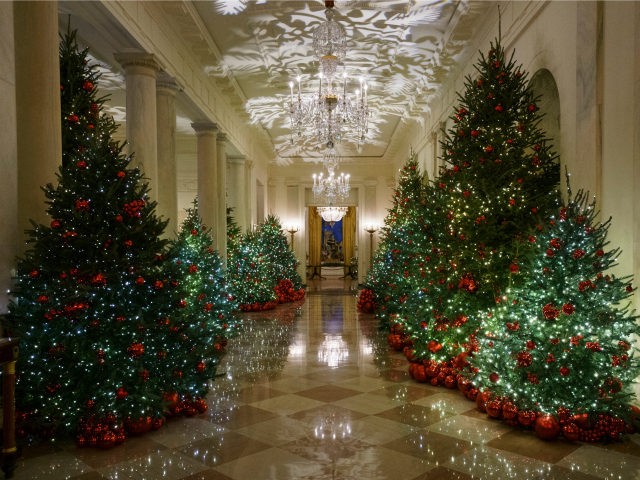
(281, 260)
(500, 180)
(403, 226)
(203, 319)
(89, 290)
(560, 344)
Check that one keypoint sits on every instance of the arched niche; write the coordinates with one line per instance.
(544, 85)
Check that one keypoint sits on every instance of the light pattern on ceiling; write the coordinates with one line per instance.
(404, 49)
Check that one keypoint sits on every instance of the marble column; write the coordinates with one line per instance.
(10, 236)
(166, 89)
(238, 190)
(588, 97)
(250, 193)
(207, 173)
(37, 107)
(221, 189)
(141, 69)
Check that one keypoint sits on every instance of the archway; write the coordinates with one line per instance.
(544, 85)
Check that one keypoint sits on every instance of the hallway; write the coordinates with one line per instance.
(311, 391)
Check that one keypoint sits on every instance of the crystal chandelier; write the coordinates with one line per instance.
(332, 214)
(332, 187)
(330, 115)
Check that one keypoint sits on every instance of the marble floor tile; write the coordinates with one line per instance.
(430, 447)
(475, 430)
(486, 462)
(133, 448)
(525, 442)
(181, 431)
(247, 415)
(277, 431)
(52, 466)
(222, 448)
(287, 404)
(166, 465)
(416, 415)
(255, 393)
(368, 403)
(611, 465)
(273, 464)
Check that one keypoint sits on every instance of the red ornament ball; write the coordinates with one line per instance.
(107, 440)
(201, 405)
(136, 426)
(482, 399)
(571, 432)
(509, 411)
(450, 381)
(494, 408)
(526, 417)
(121, 393)
(157, 423)
(547, 427)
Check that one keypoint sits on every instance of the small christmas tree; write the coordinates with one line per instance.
(198, 330)
(250, 276)
(500, 180)
(89, 291)
(281, 260)
(560, 344)
(233, 232)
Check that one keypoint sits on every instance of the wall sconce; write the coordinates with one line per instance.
(292, 229)
(371, 229)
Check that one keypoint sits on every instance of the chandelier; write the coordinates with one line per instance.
(330, 115)
(332, 214)
(332, 187)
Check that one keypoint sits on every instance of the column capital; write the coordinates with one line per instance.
(222, 137)
(203, 128)
(166, 84)
(249, 164)
(237, 159)
(145, 60)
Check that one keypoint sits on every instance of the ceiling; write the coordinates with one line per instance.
(252, 49)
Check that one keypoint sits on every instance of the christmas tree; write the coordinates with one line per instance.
(560, 344)
(198, 329)
(233, 231)
(500, 179)
(89, 290)
(281, 260)
(249, 274)
(398, 248)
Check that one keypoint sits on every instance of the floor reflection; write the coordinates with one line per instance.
(311, 391)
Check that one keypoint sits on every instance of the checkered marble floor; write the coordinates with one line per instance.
(311, 391)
